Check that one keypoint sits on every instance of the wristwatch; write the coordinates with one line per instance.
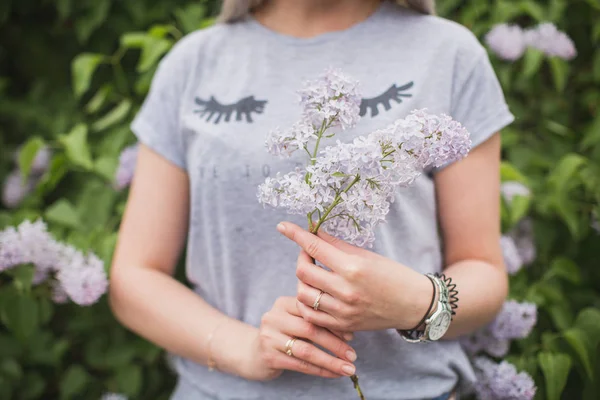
(437, 324)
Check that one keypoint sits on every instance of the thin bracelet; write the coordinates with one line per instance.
(429, 309)
(212, 364)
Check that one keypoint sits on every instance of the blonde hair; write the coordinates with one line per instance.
(232, 10)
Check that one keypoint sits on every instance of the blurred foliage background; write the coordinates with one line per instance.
(72, 75)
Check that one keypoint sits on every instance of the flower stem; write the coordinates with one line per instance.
(354, 379)
(336, 201)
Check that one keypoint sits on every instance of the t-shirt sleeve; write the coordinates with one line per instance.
(157, 123)
(478, 102)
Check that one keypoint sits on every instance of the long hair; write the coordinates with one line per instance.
(232, 10)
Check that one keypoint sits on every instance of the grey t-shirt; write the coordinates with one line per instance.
(213, 100)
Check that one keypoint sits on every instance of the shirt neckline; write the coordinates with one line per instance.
(318, 39)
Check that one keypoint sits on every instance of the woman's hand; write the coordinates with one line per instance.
(284, 322)
(363, 290)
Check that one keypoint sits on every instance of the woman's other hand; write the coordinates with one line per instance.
(283, 322)
(362, 290)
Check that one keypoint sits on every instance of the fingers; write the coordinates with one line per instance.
(318, 277)
(320, 318)
(316, 247)
(340, 244)
(308, 358)
(308, 294)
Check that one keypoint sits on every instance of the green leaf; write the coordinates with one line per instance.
(532, 62)
(133, 40)
(64, 213)
(591, 137)
(23, 277)
(519, 206)
(160, 31)
(534, 10)
(73, 382)
(581, 344)
(190, 17)
(114, 116)
(555, 367)
(76, 146)
(19, 312)
(27, 155)
(95, 205)
(564, 172)
(10, 368)
(99, 99)
(560, 73)
(106, 167)
(64, 8)
(58, 169)
(152, 51)
(508, 172)
(129, 379)
(33, 386)
(83, 68)
(564, 268)
(85, 25)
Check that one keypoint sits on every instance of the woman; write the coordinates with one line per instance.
(251, 328)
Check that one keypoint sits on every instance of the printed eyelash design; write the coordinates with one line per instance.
(393, 93)
(243, 108)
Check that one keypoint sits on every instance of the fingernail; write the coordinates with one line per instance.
(351, 356)
(281, 228)
(348, 336)
(348, 369)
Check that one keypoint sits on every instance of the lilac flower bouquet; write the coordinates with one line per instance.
(346, 188)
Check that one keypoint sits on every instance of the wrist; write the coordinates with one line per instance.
(232, 348)
(418, 299)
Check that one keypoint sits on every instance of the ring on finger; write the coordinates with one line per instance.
(318, 301)
(289, 345)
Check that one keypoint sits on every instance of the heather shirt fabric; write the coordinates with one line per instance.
(214, 98)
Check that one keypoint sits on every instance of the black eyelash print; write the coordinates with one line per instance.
(393, 93)
(243, 108)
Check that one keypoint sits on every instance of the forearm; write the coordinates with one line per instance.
(167, 313)
(482, 288)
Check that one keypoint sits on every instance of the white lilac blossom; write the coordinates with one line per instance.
(548, 39)
(506, 41)
(332, 100)
(510, 253)
(126, 168)
(515, 321)
(79, 277)
(511, 189)
(14, 190)
(502, 381)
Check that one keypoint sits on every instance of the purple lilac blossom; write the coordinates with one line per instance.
(501, 381)
(510, 189)
(510, 253)
(522, 235)
(15, 190)
(506, 41)
(81, 278)
(483, 340)
(548, 39)
(331, 100)
(515, 321)
(41, 161)
(127, 161)
(352, 184)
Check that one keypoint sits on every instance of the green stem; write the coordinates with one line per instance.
(354, 379)
(336, 201)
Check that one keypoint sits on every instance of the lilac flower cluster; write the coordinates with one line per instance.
(127, 161)
(348, 187)
(332, 100)
(78, 277)
(509, 42)
(515, 321)
(502, 381)
(15, 189)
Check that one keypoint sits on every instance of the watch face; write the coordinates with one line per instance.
(439, 325)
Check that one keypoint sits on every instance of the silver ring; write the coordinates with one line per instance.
(318, 301)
